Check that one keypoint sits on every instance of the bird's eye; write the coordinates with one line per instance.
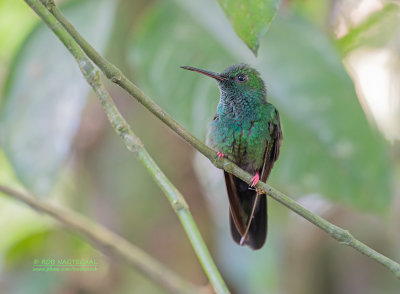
(241, 78)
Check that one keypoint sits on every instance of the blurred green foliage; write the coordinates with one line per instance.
(328, 146)
(11, 35)
(376, 31)
(51, 134)
(33, 113)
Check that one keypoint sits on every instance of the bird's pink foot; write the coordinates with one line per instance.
(254, 180)
(220, 155)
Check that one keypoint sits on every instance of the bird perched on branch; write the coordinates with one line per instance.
(246, 129)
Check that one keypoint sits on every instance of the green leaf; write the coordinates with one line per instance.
(45, 94)
(250, 19)
(328, 148)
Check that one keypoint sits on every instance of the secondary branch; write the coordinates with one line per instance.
(133, 143)
(116, 76)
(106, 240)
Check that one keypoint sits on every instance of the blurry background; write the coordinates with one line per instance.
(332, 69)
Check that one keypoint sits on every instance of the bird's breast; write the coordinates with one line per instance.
(242, 141)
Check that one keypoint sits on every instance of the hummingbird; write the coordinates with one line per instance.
(246, 130)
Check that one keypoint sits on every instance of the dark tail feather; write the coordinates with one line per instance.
(241, 200)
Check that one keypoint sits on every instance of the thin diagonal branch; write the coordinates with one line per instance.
(106, 240)
(116, 76)
(134, 144)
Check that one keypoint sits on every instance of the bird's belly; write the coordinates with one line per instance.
(244, 143)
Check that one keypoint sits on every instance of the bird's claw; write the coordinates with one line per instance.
(220, 155)
(254, 180)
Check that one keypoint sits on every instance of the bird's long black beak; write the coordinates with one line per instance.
(205, 72)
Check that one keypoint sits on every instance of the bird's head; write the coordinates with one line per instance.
(237, 80)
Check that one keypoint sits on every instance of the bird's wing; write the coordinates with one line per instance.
(273, 146)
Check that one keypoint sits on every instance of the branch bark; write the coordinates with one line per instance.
(133, 143)
(116, 76)
(109, 241)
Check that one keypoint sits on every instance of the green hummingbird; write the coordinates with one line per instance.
(246, 129)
